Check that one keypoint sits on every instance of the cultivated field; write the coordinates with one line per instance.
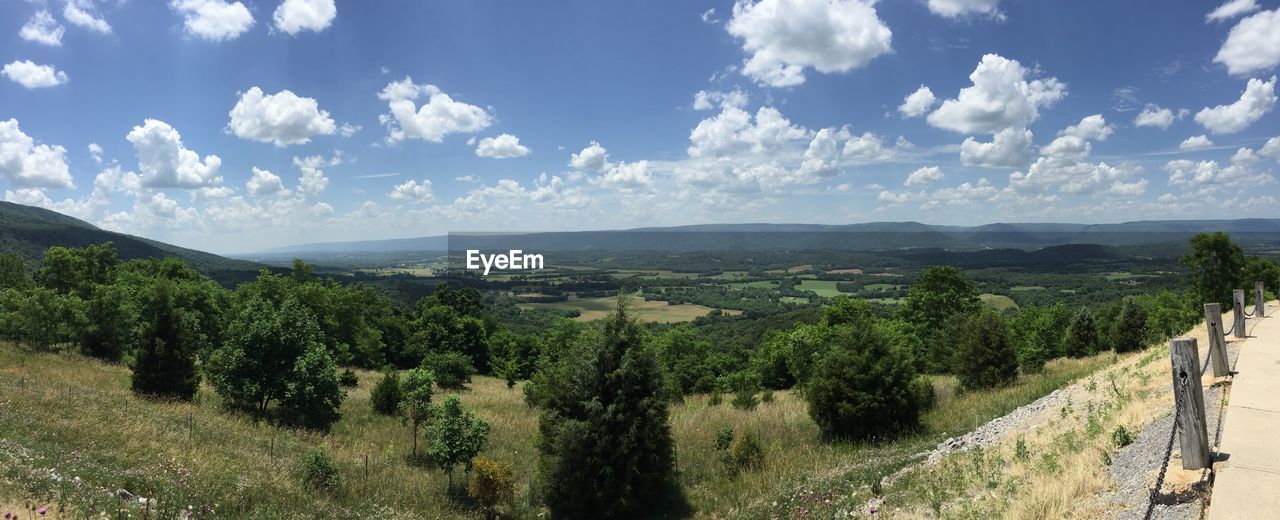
(649, 311)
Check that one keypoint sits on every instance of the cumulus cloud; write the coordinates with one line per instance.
(709, 99)
(784, 37)
(1154, 116)
(294, 16)
(1209, 174)
(1000, 97)
(213, 20)
(1195, 143)
(264, 184)
(734, 130)
(1259, 97)
(1231, 9)
(627, 177)
(282, 118)
(166, 163)
(501, 147)
(917, 103)
(1271, 148)
(867, 147)
(412, 191)
(1009, 148)
(26, 164)
(312, 182)
(95, 151)
(81, 13)
(594, 157)
(1253, 45)
(441, 115)
(1091, 128)
(32, 76)
(957, 8)
(1063, 166)
(924, 176)
(42, 28)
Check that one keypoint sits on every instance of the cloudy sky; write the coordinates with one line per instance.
(236, 126)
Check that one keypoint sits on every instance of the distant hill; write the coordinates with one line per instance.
(872, 236)
(30, 231)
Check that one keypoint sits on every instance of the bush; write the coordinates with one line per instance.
(862, 388)
(1130, 329)
(313, 394)
(1121, 437)
(492, 483)
(715, 398)
(318, 470)
(348, 378)
(386, 394)
(1082, 336)
(452, 370)
(922, 389)
(746, 452)
(724, 438)
(744, 385)
(985, 355)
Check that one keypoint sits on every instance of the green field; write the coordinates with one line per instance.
(823, 288)
(651, 311)
(882, 287)
(998, 302)
(1027, 288)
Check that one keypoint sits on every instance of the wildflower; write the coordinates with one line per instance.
(43, 511)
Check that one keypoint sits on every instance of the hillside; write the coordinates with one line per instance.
(30, 231)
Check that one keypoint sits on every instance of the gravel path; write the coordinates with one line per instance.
(1134, 468)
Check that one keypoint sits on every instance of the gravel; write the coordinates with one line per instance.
(995, 430)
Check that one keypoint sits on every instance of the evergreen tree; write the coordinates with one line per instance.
(455, 436)
(985, 354)
(386, 395)
(863, 387)
(112, 323)
(1130, 329)
(605, 441)
(165, 365)
(1082, 336)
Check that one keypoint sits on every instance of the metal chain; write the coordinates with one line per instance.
(1168, 453)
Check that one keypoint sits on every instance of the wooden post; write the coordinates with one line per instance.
(191, 425)
(1260, 299)
(1237, 296)
(1193, 433)
(1217, 339)
(366, 467)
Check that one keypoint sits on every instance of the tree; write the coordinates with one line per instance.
(313, 393)
(456, 436)
(386, 395)
(415, 400)
(112, 323)
(939, 294)
(492, 483)
(1082, 336)
(1217, 265)
(165, 365)
(1129, 332)
(863, 387)
(254, 367)
(604, 439)
(13, 272)
(985, 353)
(452, 369)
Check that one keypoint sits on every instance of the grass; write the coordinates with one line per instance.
(999, 302)
(654, 311)
(77, 415)
(823, 288)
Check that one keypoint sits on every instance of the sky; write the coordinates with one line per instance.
(234, 127)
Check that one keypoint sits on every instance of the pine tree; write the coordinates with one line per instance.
(165, 365)
(985, 356)
(862, 388)
(386, 394)
(1130, 330)
(605, 441)
(1082, 336)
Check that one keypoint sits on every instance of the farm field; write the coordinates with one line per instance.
(823, 288)
(999, 302)
(649, 311)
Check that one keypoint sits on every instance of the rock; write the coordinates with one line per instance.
(124, 494)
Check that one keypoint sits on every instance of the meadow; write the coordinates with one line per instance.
(645, 310)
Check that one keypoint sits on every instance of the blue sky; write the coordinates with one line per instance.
(236, 126)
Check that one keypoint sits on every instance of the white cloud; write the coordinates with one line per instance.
(1253, 45)
(29, 165)
(1063, 166)
(822, 158)
(917, 103)
(627, 177)
(1259, 98)
(166, 163)
(441, 115)
(1154, 116)
(784, 37)
(1000, 97)
(32, 76)
(709, 16)
(733, 130)
(706, 100)
(1009, 148)
(1195, 143)
(1231, 9)
(95, 152)
(594, 157)
(1091, 128)
(554, 193)
(957, 8)
(294, 16)
(867, 147)
(924, 176)
(264, 184)
(312, 182)
(213, 20)
(1271, 148)
(42, 28)
(348, 129)
(1209, 174)
(80, 12)
(412, 191)
(501, 147)
(282, 118)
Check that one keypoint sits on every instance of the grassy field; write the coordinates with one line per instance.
(758, 284)
(823, 288)
(998, 302)
(658, 311)
(68, 417)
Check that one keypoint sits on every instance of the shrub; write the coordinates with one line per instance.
(415, 400)
(862, 388)
(452, 370)
(715, 398)
(985, 355)
(491, 483)
(724, 437)
(348, 378)
(319, 470)
(766, 396)
(386, 394)
(746, 452)
(744, 384)
(456, 436)
(922, 389)
(1082, 335)
(1130, 329)
(313, 394)
(1121, 437)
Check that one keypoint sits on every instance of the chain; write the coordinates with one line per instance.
(1168, 453)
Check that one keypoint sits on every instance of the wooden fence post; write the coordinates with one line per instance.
(1193, 433)
(1217, 339)
(1260, 298)
(1237, 296)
